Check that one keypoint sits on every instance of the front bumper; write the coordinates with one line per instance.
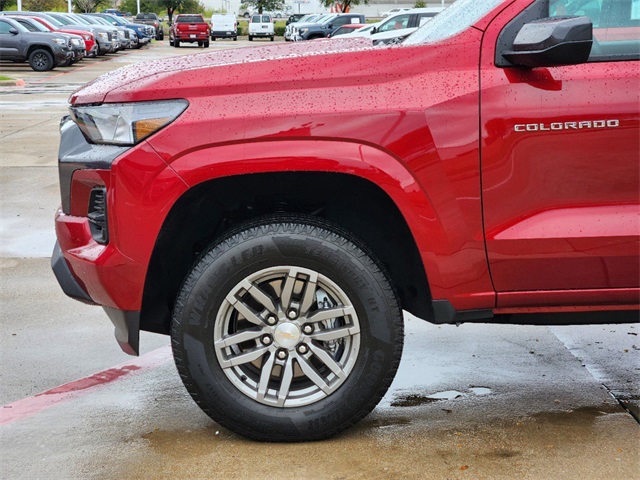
(126, 322)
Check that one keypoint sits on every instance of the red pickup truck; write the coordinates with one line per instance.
(189, 28)
(276, 221)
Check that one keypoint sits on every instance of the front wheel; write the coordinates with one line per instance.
(176, 43)
(41, 60)
(287, 330)
(206, 44)
(250, 38)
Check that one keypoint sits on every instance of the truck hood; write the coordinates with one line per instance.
(127, 83)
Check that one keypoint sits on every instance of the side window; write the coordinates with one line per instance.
(424, 18)
(616, 24)
(28, 26)
(4, 27)
(396, 23)
(266, 19)
(340, 21)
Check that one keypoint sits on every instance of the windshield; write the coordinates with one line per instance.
(53, 21)
(63, 20)
(453, 20)
(80, 20)
(190, 19)
(33, 25)
(325, 20)
(113, 20)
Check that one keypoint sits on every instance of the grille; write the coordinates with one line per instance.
(97, 214)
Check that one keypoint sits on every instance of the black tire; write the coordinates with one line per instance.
(235, 39)
(250, 38)
(176, 43)
(213, 39)
(299, 244)
(206, 44)
(170, 42)
(41, 60)
(272, 39)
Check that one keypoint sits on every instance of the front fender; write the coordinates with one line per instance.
(365, 161)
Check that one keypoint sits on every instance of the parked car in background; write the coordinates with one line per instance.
(223, 26)
(141, 32)
(261, 26)
(345, 29)
(43, 51)
(124, 34)
(149, 18)
(108, 39)
(106, 44)
(399, 26)
(189, 28)
(91, 46)
(324, 26)
(113, 11)
(76, 42)
(393, 11)
(311, 18)
(295, 17)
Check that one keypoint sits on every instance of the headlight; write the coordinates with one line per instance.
(60, 41)
(125, 123)
(103, 35)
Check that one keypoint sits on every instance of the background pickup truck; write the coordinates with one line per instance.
(189, 28)
(43, 51)
(277, 220)
(153, 20)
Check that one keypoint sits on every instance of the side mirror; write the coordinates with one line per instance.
(373, 31)
(13, 31)
(330, 25)
(552, 42)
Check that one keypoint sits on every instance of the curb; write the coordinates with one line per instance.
(12, 83)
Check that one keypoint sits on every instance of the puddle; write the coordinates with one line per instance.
(415, 400)
(412, 401)
(480, 390)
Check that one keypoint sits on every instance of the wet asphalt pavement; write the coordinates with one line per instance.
(475, 401)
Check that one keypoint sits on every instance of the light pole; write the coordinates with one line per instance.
(138, 4)
(69, 5)
(19, 5)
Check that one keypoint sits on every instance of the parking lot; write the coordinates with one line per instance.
(475, 401)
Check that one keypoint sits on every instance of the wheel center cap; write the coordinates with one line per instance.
(287, 335)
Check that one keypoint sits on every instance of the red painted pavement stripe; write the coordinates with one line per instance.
(30, 406)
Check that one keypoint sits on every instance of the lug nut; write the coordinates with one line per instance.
(282, 354)
(266, 340)
(293, 313)
(272, 320)
(302, 349)
(307, 329)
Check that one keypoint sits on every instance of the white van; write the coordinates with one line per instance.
(261, 26)
(224, 26)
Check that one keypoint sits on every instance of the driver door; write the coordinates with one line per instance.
(560, 164)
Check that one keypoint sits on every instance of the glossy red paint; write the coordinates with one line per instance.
(559, 212)
(572, 219)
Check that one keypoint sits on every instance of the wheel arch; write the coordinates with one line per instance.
(355, 196)
(37, 46)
